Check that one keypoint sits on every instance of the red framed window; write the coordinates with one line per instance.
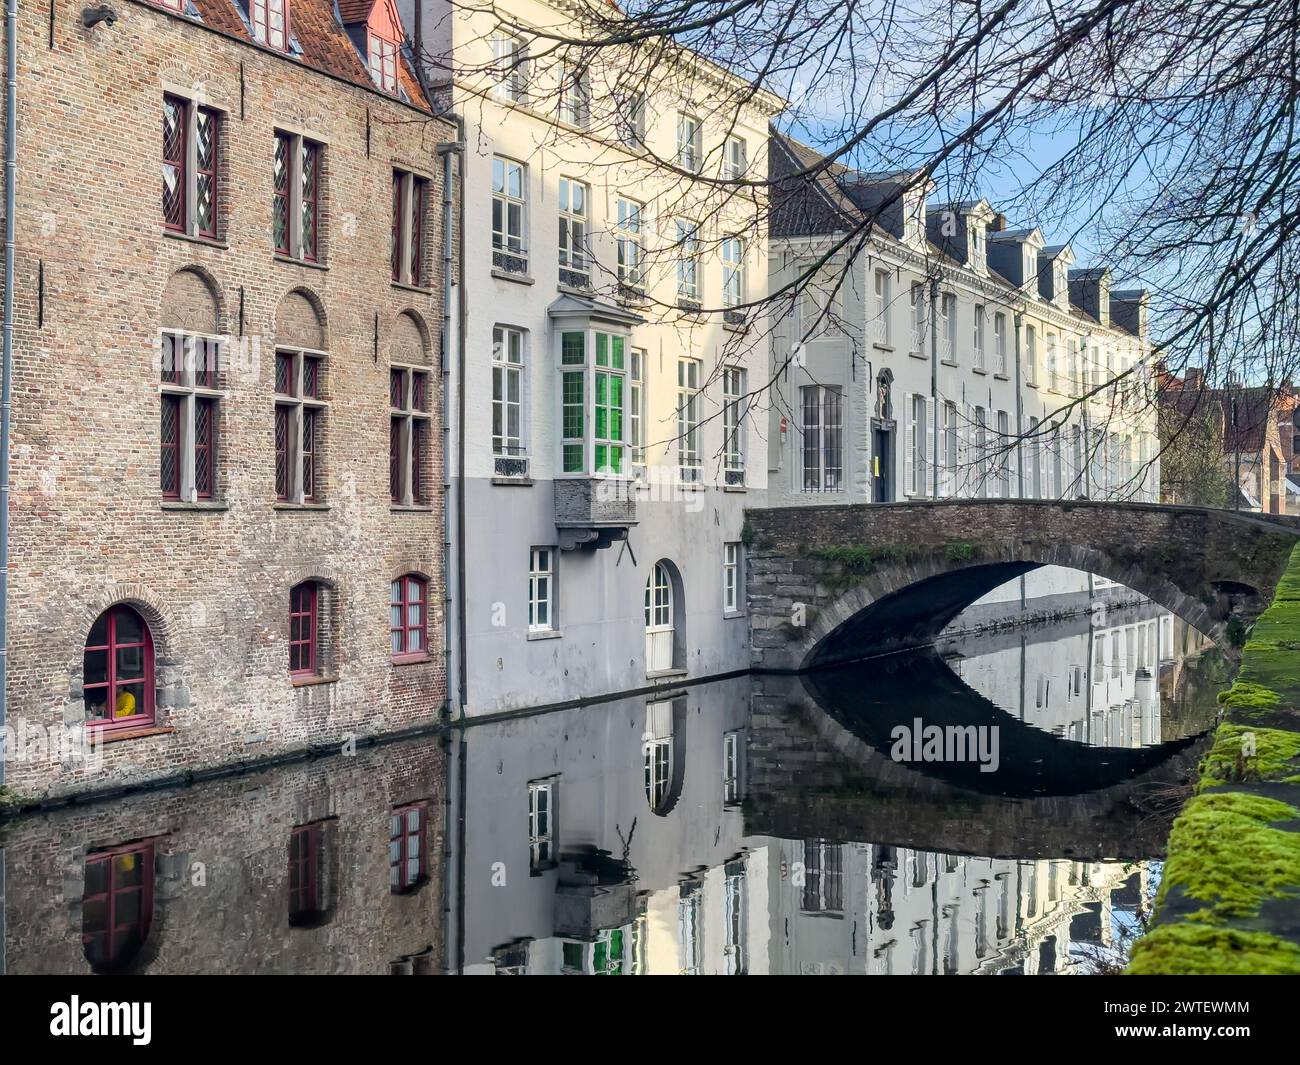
(395, 460)
(207, 126)
(281, 201)
(309, 416)
(419, 188)
(281, 453)
(117, 905)
(395, 251)
(408, 434)
(270, 21)
(118, 671)
(303, 649)
(310, 169)
(205, 446)
(174, 157)
(408, 616)
(410, 194)
(305, 905)
(417, 462)
(406, 868)
(170, 458)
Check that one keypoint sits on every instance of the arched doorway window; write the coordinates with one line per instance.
(659, 618)
(658, 754)
(117, 670)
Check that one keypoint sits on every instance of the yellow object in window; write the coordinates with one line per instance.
(125, 706)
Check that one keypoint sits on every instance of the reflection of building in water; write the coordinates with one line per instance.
(634, 860)
(1094, 679)
(900, 911)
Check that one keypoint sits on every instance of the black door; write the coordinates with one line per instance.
(882, 466)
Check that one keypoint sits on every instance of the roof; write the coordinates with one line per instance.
(1253, 408)
(323, 42)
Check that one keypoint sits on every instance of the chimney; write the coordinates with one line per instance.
(1192, 379)
(1090, 292)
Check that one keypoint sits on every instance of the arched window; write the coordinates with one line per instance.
(659, 619)
(117, 677)
(304, 633)
(409, 616)
(117, 905)
(658, 754)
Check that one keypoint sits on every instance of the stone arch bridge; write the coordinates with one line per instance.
(831, 584)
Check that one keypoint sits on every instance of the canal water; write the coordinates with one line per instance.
(996, 804)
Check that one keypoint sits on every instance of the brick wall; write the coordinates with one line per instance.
(221, 872)
(89, 526)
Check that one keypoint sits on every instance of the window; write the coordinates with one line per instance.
(409, 616)
(979, 336)
(118, 671)
(191, 396)
(189, 166)
(270, 21)
(883, 294)
(575, 267)
(1005, 458)
(920, 311)
(304, 630)
(734, 919)
(117, 905)
(948, 446)
(1033, 441)
(299, 422)
(688, 261)
(733, 274)
(406, 831)
(917, 480)
(657, 751)
(823, 887)
(575, 98)
(627, 235)
(510, 61)
(948, 327)
(541, 590)
(607, 392)
(409, 429)
(630, 120)
(660, 630)
(823, 438)
(295, 211)
(508, 392)
(636, 406)
(306, 882)
(731, 578)
(690, 154)
(541, 826)
(509, 216)
(1000, 344)
(410, 200)
(733, 425)
(1031, 356)
(734, 163)
(688, 419)
(981, 454)
(383, 63)
(731, 768)
(1053, 373)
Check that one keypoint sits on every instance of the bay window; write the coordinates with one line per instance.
(593, 390)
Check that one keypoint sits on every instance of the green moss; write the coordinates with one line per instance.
(8, 798)
(1191, 949)
(961, 552)
(747, 534)
(1249, 696)
(1223, 851)
(1273, 757)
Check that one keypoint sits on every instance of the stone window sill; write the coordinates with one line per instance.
(117, 735)
(949, 362)
(979, 370)
(423, 290)
(411, 508)
(290, 260)
(201, 505)
(731, 615)
(301, 506)
(545, 634)
(661, 674)
(193, 238)
(1002, 377)
(413, 659)
(313, 681)
(517, 482)
(735, 488)
(881, 346)
(917, 355)
(518, 279)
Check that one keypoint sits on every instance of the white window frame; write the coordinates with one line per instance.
(883, 288)
(628, 230)
(630, 119)
(690, 143)
(541, 589)
(735, 159)
(1031, 356)
(541, 824)
(688, 260)
(731, 767)
(635, 409)
(732, 572)
(575, 225)
(1000, 343)
(260, 14)
(920, 317)
(509, 248)
(383, 62)
(822, 441)
(575, 98)
(510, 64)
(733, 425)
(689, 463)
(509, 365)
(733, 272)
(980, 317)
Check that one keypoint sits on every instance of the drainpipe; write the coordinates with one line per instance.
(1020, 413)
(1085, 453)
(7, 367)
(934, 384)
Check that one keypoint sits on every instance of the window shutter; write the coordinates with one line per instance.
(945, 469)
(931, 434)
(1010, 455)
(909, 460)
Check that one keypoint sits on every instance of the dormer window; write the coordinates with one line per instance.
(383, 63)
(270, 19)
(976, 258)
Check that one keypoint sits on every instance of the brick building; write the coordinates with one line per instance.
(227, 430)
(285, 871)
